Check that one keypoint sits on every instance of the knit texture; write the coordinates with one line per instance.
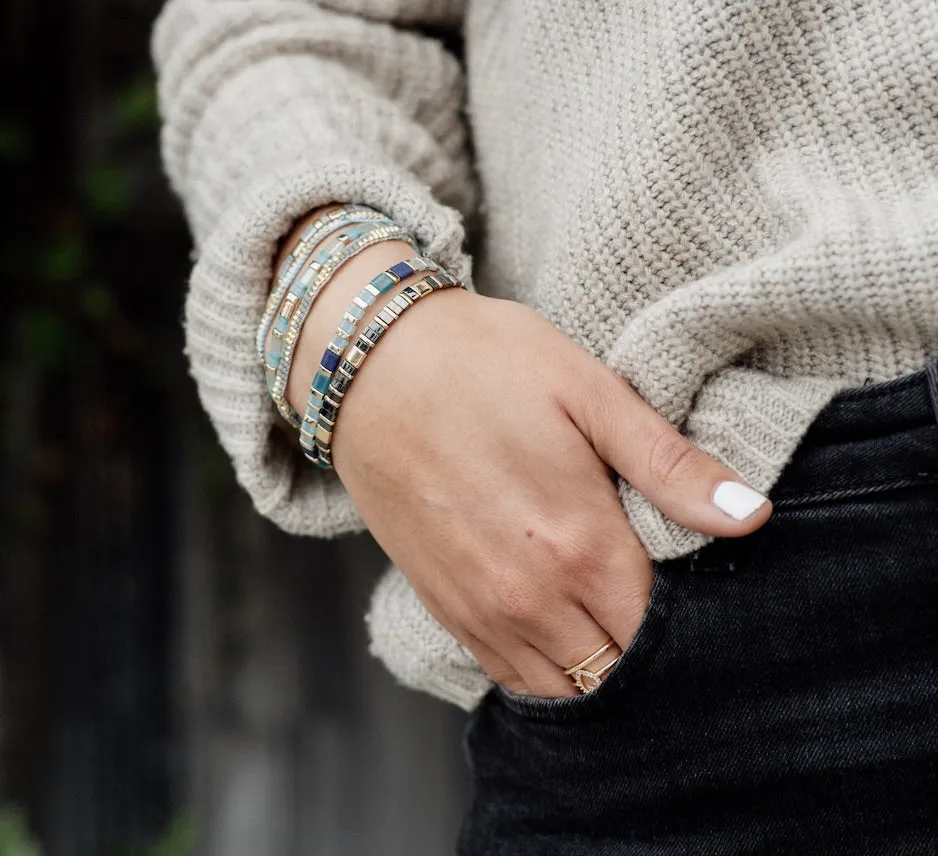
(733, 203)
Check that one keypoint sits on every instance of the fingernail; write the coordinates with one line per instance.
(738, 500)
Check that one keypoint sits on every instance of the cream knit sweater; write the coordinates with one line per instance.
(733, 203)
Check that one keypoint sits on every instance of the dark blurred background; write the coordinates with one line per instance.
(176, 677)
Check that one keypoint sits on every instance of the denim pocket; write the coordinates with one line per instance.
(617, 683)
(859, 468)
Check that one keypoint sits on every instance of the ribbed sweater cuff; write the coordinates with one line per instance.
(417, 650)
(228, 290)
(748, 420)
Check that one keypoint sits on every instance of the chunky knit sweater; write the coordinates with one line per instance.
(733, 203)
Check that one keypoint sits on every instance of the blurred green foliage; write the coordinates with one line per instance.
(178, 840)
(42, 338)
(135, 108)
(17, 840)
(107, 190)
(15, 837)
(63, 259)
(63, 256)
(14, 142)
(94, 399)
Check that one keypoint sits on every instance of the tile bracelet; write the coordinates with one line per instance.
(313, 281)
(345, 373)
(347, 328)
(309, 239)
(347, 234)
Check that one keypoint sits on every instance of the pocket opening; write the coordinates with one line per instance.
(638, 655)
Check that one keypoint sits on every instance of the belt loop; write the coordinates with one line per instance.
(931, 372)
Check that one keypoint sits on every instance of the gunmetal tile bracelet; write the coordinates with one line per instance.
(370, 337)
(347, 328)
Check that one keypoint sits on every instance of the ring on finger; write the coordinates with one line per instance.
(587, 680)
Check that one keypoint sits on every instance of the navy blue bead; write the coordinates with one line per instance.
(330, 360)
(402, 269)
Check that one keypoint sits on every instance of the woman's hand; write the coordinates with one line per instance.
(477, 442)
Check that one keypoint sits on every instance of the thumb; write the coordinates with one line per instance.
(644, 448)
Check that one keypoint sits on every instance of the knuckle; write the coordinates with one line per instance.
(520, 604)
(511, 597)
(568, 548)
(634, 596)
(594, 587)
(621, 581)
(672, 458)
(481, 611)
(635, 603)
(625, 619)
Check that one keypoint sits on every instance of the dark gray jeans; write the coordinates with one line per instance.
(781, 696)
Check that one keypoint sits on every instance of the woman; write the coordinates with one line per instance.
(728, 212)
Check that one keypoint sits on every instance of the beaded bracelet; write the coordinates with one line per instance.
(314, 280)
(344, 332)
(347, 235)
(311, 237)
(370, 337)
(325, 263)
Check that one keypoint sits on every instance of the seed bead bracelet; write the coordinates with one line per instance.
(325, 263)
(370, 337)
(312, 235)
(314, 281)
(344, 332)
(346, 236)
(276, 326)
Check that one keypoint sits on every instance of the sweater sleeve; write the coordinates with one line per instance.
(272, 108)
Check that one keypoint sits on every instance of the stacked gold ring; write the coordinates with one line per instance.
(586, 679)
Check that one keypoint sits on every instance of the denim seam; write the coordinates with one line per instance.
(885, 432)
(849, 492)
(888, 386)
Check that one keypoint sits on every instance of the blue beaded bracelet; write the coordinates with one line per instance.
(313, 281)
(370, 337)
(309, 239)
(347, 235)
(344, 332)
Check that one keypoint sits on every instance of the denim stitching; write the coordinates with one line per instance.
(893, 385)
(851, 492)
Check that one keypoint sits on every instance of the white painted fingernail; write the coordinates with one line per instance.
(738, 500)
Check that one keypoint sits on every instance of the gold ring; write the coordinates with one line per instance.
(586, 679)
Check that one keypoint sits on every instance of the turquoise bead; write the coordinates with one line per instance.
(383, 281)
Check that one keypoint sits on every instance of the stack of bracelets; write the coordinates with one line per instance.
(323, 247)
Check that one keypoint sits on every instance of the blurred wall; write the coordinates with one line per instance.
(176, 677)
